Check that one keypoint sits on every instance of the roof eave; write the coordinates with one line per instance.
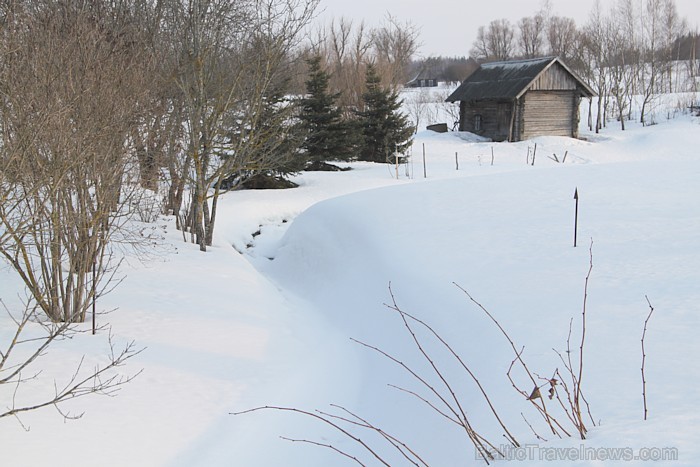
(585, 88)
(527, 87)
(589, 92)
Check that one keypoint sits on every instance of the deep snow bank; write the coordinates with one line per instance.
(508, 240)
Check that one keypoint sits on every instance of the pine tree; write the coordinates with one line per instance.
(328, 136)
(386, 131)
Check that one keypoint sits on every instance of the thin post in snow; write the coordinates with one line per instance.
(644, 358)
(457, 160)
(534, 151)
(425, 172)
(576, 216)
(492, 156)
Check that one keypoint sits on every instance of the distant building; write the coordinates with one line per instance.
(517, 100)
(422, 81)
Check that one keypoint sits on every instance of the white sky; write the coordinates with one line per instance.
(449, 27)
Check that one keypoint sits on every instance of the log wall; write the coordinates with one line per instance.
(547, 113)
(548, 107)
(495, 118)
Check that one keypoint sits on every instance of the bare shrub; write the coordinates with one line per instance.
(568, 412)
(20, 372)
(70, 89)
(644, 358)
(70, 81)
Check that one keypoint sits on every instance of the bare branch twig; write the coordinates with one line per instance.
(644, 358)
(322, 419)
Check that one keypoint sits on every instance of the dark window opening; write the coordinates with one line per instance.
(477, 122)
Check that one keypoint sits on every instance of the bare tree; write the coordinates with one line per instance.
(673, 27)
(584, 63)
(230, 57)
(532, 35)
(158, 135)
(657, 19)
(481, 47)
(349, 48)
(595, 42)
(691, 63)
(394, 43)
(562, 35)
(623, 57)
(495, 42)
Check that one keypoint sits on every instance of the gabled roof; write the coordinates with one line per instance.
(508, 80)
(420, 76)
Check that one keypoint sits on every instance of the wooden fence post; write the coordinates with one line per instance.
(576, 216)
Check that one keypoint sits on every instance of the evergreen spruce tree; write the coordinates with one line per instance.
(328, 136)
(275, 144)
(385, 130)
(281, 132)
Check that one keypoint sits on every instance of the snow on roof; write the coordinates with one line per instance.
(506, 79)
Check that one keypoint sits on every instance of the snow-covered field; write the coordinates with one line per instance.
(266, 316)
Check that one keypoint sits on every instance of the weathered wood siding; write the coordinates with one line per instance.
(555, 78)
(517, 121)
(552, 113)
(549, 106)
(495, 118)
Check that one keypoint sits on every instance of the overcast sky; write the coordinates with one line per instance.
(448, 27)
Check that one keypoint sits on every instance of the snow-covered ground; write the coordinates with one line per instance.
(266, 316)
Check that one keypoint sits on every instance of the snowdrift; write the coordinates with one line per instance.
(266, 317)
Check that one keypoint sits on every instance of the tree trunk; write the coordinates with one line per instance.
(622, 118)
(590, 114)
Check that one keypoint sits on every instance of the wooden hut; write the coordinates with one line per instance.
(517, 100)
(422, 81)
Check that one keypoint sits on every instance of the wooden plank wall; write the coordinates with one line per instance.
(549, 107)
(556, 78)
(518, 121)
(495, 118)
(548, 113)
